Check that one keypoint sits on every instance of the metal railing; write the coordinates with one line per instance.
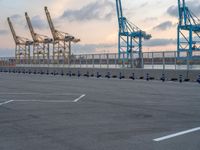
(149, 60)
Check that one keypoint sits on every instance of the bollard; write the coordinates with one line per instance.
(163, 77)
(88, 74)
(47, 72)
(198, 80)
(108, 75)
(79, 74)
(147, 77)
(133, 76)
(121, 76)
(70, 73)
(62, 73)
(180, 78)
(98, 75)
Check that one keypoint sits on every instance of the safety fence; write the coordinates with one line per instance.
(148, 60)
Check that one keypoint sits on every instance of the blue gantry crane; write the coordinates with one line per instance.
(130, 37)
(188, 40)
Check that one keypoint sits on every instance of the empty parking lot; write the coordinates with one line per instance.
(47, 112)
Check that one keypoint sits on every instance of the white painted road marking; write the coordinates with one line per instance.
(48, 94)
(78, 99)
(44, 101)
(6, 102)
(176, 134)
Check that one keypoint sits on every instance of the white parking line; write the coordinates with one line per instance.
(176, 134)
(78, 99)
(50, 94)
(6, 102)
(44, 101)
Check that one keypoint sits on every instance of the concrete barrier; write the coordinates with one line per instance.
(169, 75)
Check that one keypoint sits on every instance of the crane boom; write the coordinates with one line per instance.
(53, 31)
(37, 38)
(12, 31)
(30, 27)
(119, 12)
(58, 35)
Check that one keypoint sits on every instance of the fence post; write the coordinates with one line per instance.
(80, 60)
(152, 60)
(100, 60)
(131, 60)
(175, 60)
(163, 60)
(123, 60)
(115, 60)
(74, 61)
(188, 63)
(107, 55)
(93, 60)
(86, 61)
(142, 60)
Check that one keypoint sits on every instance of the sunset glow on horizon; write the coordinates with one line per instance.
(94, 22)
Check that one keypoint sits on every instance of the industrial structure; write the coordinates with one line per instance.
(130, 36)
(57, 50)
(22, 46)
(188, 37)
(41, 44)
(61, 42)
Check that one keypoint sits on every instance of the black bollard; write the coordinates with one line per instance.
(163, 77)
(198, 80)
(121, 76)
(79, 74)
(180, 78)
(133, 76)
(147, 77)
(108, 75)
(70, 73)
(62, 73)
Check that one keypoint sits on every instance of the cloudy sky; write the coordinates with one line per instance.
(93, 21)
